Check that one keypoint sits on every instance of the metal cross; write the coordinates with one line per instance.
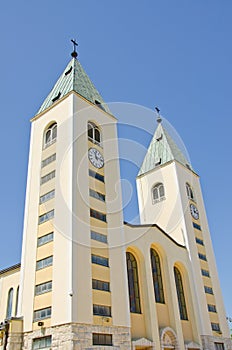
(75, 44)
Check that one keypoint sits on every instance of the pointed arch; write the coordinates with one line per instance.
(158, 192)
(94, 133)
(50, 134)
(157, 276)
(133, 283)
(180, 294)
(9, 303)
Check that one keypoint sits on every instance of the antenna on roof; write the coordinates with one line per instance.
(159, 119)
(75, 44)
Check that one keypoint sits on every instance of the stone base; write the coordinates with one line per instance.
(13, 336)
(79, 337)
(208, 342)
(14, 341)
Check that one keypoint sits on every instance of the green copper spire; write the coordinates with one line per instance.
(162, 150)
(74, 78)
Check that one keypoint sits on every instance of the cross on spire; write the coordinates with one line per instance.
(159, 119)
(75, 44)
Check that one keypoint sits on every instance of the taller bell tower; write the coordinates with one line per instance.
(73, 216)
(169, 194)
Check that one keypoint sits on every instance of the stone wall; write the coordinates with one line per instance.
(208, 342)
(79, 337)
(13, 334)
(14, 341)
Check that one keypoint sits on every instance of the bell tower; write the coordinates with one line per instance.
(69, 227)
(169, 195)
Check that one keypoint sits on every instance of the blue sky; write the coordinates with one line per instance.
(174, 54)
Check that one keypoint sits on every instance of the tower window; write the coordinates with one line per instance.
(159, 137)
(95, 175)
(97, 103)
(199, 241)
(47, 177)
(97, 195)
(158, 193)
(196, 226)
(94, 134)
(45, 239)
(97, 215)
(101, 285)
(205, 273)
(101, 310)
(133, 283)
(48, 160)
(56, 97)
(212, 308)
(43, 288)
(157, 277)
(98, 237)
(42, 313)
(50, 135)
(208, 290)
(158, 161)
(47, 196)
(68, 71)
(47, 216)
(41, 264)
(202, 256)
(189, 191)
(180, 294)
(100, 260)
(215, 327)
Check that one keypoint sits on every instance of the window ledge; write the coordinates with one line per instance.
(95, 142)
(158, 200)
(192, 199)
(41, 319)
(49, 143)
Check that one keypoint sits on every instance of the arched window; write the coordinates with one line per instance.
(17, 301)
(180, 294)
(50, 135)
(190, 193)
(94, 134)
(158, 193)
(9, 303)
(157, 277)
(133, 283)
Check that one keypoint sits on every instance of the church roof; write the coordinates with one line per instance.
(74, 78)
(161, 150)
(10, 269)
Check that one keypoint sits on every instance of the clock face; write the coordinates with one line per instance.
(194, 211)
(96, 158)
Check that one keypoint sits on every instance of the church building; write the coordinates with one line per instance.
(89, 280)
